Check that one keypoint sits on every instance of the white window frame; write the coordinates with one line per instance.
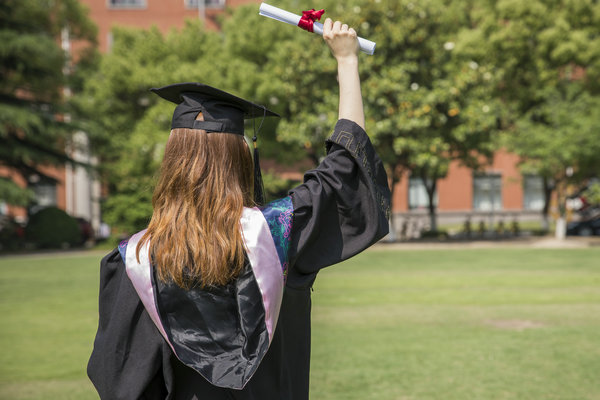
(417, 195)
(533, 192)
(45, 193)
(194, 4)
(483, 195)
(127, 4)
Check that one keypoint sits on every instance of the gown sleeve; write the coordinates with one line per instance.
(343, 206)
(130, 359)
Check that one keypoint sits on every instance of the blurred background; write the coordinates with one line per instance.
(485, 113)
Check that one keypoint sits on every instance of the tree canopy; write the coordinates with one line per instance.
(547, 58)
(446, 76)
(35, 70)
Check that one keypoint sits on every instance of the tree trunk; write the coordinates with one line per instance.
(548, 188)
(392, 236)
(561, 223)
(430, 189)
(432, 215)
(561, 228)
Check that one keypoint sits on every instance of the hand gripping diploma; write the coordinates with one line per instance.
(344, 46)
(308, 22)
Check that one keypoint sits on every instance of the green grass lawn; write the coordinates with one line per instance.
(390, 325)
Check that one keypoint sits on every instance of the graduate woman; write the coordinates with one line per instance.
(212, 300)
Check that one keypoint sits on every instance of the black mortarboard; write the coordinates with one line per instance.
(221, 111)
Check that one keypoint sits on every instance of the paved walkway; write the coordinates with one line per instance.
(545, 242)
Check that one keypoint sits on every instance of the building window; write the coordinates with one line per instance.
(487, 192)
(44, 192)
(207, 3)
(126, 3)
(533, 192)
(417, 194)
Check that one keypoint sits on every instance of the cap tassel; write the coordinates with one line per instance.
(259, 189)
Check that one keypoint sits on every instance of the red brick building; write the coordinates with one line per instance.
(497, 193)
(164, 14)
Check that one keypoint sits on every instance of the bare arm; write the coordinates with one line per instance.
(344, 47)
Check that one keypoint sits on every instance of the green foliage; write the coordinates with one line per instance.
(439, 234)
(559, 133)
(426, 102)
(51, 227)
(32, 83)
(276, 187)
(446, 76)
(11, 193)
(592, 193)
(547, 58)
(131, 124)
(11, 235)
(129, 211)
(427, 98)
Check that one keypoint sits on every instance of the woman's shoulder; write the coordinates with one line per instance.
(114, 256)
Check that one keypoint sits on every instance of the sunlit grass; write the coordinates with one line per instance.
(49, 309)
(475, 324)
(444, 324)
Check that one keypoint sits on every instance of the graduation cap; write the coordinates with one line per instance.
(222, 112)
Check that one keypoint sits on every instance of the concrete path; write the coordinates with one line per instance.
(544, 242)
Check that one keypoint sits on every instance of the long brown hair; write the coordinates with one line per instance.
(205, 181)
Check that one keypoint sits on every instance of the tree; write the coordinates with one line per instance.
(561, 141)
(547, 57)
(428, 104)
(130, 126)
(33, 129)
(426, 97)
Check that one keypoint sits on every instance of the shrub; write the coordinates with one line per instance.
(439, 234)
(51, 227)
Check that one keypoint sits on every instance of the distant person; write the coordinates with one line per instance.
(482, 228)
(515, 229)
(212, 301)
(104, 231)
(467, 227)
(500, 228)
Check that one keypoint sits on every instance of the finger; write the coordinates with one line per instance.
(327, 26)
(344, 27)
(352, 32)
(336, 26)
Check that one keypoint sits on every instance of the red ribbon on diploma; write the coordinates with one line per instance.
(308, 19)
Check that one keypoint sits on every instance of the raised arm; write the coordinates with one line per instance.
(344, 47)
(343, 205)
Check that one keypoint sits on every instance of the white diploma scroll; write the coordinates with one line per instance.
(278, 14)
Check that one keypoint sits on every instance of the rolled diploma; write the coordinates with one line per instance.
(278, 14)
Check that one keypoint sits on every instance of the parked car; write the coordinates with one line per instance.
(587, 227)
(86, 230)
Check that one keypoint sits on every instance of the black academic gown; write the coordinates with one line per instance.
(341, 209)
